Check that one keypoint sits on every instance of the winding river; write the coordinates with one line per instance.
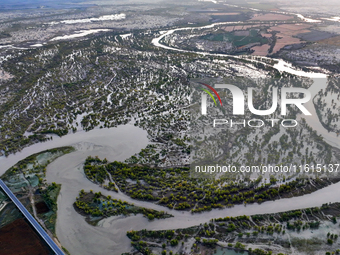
(109, 237)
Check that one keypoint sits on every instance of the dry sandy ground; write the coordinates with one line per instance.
(261, 50)
(286, 33)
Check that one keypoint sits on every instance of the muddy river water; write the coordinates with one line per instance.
(109, 237)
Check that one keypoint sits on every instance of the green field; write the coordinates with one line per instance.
(237, 40)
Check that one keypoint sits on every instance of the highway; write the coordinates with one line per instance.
(31, 219)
